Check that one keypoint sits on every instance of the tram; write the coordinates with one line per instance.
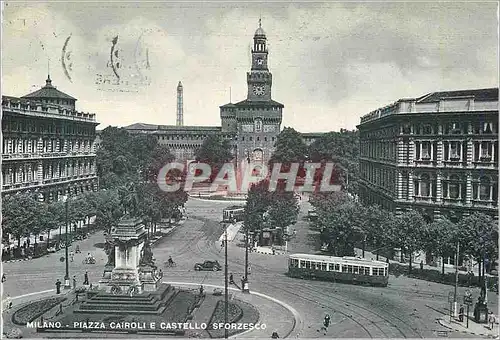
(345, 269)
(233, 213)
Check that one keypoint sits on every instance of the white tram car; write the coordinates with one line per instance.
(347, 269)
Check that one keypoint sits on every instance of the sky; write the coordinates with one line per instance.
(332, 62)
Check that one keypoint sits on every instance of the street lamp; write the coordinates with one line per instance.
(66, 277)
(225, 286)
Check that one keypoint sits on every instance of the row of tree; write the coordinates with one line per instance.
(269, 209)
(128, 166)
(343, 221)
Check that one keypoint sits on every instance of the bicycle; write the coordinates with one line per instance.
(89, 261)
(170, 264)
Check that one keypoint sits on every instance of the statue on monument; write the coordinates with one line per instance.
(109, 249)
(147, 256)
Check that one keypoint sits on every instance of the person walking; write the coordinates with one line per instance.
(326, 322)
(3, 278)
(74, 281)
(421, 265)
(58, 286)
(72, 256)
(86, 278)
(8, 302)
(231, 279)
(491, 320)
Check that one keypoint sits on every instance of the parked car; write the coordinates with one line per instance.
(208, 265)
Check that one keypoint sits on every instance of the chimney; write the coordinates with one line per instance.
(180, 104)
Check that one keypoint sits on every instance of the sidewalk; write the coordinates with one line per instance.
(474, 328)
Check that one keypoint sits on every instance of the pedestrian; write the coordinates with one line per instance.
(72, 255)
(421, 265)
(491, 320)
(8, 302)
(3, 278)
(86, 278)
(461, 314)
(201, 290)
(74, 281)
(58, 286)
(231, 278)
(326, 322)
(160, 274)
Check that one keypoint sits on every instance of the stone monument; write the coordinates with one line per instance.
(130, 259)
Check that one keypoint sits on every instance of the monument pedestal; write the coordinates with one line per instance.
(147, 276)
(106, 275)
(124, 278)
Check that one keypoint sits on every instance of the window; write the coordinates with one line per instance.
(454, 187)
(331, 267)
(251, 139)
(367, 270)
(427, 129)
(454, 128)
(487, 128)
(484, 189)
(485, 149)
(323, 267)
(454, 150)
(258, 125)
(426, 150)
(337, 267)
(349, 268)
(425, 186)
(344, 268)
(355, 269)
(308, 265)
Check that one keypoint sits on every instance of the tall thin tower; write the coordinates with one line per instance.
(180, 104)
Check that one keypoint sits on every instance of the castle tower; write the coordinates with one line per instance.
(180, 104)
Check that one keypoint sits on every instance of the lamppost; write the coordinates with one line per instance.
(225, 286)
(66, 277)
(246, 246)
(455, 303)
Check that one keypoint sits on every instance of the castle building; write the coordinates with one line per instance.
(437, 154)
(47, 145)
(252, 125)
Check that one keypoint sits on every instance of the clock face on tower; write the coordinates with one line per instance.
(260, 61)
(259, 90)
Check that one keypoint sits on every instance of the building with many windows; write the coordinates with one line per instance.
(47, 145)
(437, 154)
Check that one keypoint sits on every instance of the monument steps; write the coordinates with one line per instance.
(122, 304)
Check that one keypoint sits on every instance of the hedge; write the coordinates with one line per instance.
(433, 275)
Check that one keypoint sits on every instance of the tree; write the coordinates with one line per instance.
(215, 152)
(108, 209)
(289, 148)
(341, 148)
(258, 201)
(377, 227)
(479, 237)
(160, 157)
(440, 238)
(407, 233)
(283, 209)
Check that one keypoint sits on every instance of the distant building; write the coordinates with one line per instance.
(252, 125)
(437, 154)
(47, 145)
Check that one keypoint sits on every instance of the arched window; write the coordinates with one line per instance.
(454, 187)
(425, 185)
(258, 125)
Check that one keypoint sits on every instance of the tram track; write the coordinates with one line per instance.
(370, 321)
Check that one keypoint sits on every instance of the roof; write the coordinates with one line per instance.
(312, 257)
(228, 105)
(153, 127)
(252, 103)
(490, 94)
(48, 91)
(260, 32)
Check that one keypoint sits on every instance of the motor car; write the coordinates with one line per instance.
(208, 266)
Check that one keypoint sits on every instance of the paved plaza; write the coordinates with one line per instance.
(406, 308)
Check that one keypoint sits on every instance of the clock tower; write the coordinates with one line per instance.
(255, 121)
(259, 79)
